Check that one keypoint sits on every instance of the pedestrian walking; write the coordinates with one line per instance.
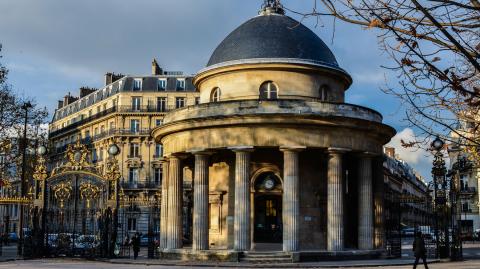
(136, 245)
(419, 250)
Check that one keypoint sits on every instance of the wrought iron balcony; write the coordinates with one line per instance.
(468, 190)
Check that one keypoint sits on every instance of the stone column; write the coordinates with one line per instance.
(365, 203)
(200, 202)
(291, 198)
(164, 204)
(175, 199)
(335, 233)
(242, 199)
(378, 201)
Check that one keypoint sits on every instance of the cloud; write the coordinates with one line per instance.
(418, 158)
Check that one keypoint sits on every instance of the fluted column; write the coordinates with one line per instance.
(164, 205)
(378, 202)
(175, 199)
(335, 233)
(291, 198)
(242, 199)
(200, 202)
(365, 203)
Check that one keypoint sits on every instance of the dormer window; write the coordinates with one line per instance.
(215, 95)
(268, 91)
(323, 92)
(161, 85)
(137, 84)
(180, 84)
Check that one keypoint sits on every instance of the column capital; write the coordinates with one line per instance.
(293, 148)
(367, 154)
(179, 155)
(163, 160)
(242, 149)
(201, 152)
(334, 150)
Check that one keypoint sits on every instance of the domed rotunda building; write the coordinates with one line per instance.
(280, 161)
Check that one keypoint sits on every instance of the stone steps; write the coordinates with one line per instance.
(265, 257)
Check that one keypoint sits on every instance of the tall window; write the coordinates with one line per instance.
(180, 102)
(100, 154)
(137, 84)
(158, 150)
(197, 100)
(180, 84)
(132, 224)
(161, 104)
(134, 126)
(94, 155)
(215, 95)
(161, 84)
(136, 103)
(157, 175)
(134, 150)
(323, 92)
(133, 175)
(268, 91)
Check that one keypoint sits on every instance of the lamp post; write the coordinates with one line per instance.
(23, 184)
(438, 172)
(40, 175)
(114, 175)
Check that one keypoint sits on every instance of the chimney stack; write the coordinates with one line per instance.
(111, 77)
(60, 104)
(156, 70)
(390, 152)
(68, 99)
(84, 91)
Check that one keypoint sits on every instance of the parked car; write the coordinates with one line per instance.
(144, 239)
(12, 237)
(87, 242)
(408, 232)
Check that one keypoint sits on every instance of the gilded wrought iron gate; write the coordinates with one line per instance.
(77, 206)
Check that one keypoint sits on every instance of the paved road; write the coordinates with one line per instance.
(77, 264)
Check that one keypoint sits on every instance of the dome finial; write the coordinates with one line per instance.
(272, 7)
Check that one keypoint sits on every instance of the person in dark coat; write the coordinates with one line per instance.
(419, 250)
(136, 245)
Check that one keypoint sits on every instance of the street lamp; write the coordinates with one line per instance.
(438, 172)
(40, 175)
(114, 176)
(23, 184)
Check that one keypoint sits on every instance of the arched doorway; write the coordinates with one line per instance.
(267, 227)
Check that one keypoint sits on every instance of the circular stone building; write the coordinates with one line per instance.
(280, 161)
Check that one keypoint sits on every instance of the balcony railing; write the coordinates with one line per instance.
(127, 109)
(148, 108)
(83, 121)
(466, 190)
(140, 185)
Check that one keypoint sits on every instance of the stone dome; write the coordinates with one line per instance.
(273, 38)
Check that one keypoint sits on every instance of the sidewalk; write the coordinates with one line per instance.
(9, 253)
(326, 264)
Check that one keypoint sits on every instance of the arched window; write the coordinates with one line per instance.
(323, 92)
(268, 91)
(215, 95)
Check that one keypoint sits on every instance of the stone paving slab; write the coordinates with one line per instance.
(327, 264)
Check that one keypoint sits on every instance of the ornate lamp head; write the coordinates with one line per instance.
(113, 150)
(437, 144)
(42, 150)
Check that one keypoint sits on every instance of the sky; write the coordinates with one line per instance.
(53, 47)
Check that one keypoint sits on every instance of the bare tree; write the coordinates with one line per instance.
(12, 119)
(434, 46)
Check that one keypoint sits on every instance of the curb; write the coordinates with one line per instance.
(260, 265)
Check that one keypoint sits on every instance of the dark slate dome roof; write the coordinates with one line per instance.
(270, 37)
